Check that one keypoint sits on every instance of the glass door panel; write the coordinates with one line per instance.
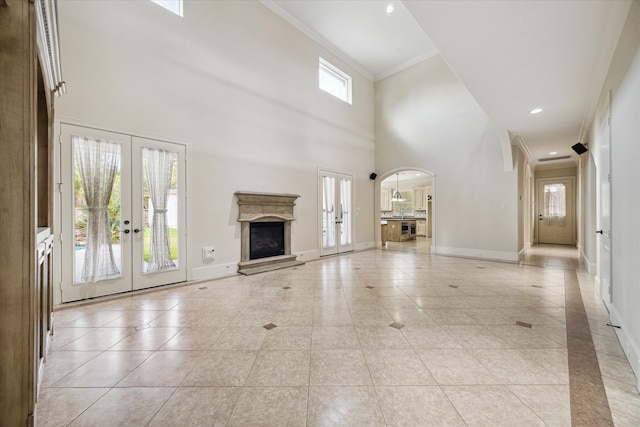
(159, 201)
(345, 212)
(95, 211)
(328, 212)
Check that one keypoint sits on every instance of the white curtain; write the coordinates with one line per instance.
(345, 211)
(555, 208)
(158, 168)
(328, 212)
(97, 163)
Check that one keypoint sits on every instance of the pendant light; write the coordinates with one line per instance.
(397, 197)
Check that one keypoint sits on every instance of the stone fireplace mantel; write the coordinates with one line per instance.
(260, 207)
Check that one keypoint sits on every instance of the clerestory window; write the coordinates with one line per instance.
(334, 81)
(174, 6)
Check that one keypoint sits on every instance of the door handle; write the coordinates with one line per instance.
(126, 231)
(599, 232)
(136, 230)
(540, 217)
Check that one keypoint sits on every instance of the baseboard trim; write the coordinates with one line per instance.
(483, 254)
(630, 348)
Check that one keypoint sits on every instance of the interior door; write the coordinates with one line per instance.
(604, 231)
(555, 204)
(336, 213)
(122, 213)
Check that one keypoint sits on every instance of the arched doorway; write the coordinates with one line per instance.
(405, 210)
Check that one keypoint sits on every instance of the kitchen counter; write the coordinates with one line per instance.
(392, 230)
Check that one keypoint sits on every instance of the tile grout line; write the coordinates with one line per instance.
(589, 404)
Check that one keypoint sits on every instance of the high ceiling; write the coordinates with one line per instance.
(513, 56)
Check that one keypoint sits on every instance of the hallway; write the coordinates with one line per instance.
(380, 337)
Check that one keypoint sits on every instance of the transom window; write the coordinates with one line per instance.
(174, 6)
(334, 81)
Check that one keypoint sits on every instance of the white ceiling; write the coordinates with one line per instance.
(512, 56)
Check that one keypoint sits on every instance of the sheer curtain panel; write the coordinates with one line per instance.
(158, 169)
(97, 164)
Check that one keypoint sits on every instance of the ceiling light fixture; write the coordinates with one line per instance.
(397, 197)
(535, 111)
(390, 8)
(552, 153)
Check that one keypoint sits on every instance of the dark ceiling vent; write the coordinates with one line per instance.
(548, 159)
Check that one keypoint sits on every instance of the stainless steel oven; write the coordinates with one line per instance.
(405, 228)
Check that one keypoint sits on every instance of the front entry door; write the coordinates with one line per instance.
(123, 213)
(336, 216)
(555, 205)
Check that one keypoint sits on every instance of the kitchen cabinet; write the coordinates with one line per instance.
(420, 199)
(421, 227)
(386, 205)
(43, 302)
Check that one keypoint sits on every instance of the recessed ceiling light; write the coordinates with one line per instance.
(417, 174)
(390, 8)
(535, 111)
(552, 153)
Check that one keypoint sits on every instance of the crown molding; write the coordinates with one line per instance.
(295, 22)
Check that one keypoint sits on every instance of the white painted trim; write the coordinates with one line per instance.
(213, 271)
(507, 153)
(630, 348)
(295, 22)
(590, 267)
(365, 246)
(308, 255)
(407, 64)
(483, 254)
(520, 142)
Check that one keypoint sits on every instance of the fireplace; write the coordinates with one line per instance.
(266, 239)
(265, 231)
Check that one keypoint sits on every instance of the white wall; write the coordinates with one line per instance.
(425, 118)
(623, 81)
(238, 85)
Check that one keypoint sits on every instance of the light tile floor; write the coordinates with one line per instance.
(473, 343)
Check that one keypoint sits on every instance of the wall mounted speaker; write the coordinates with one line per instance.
(580, 148)
(373, 175)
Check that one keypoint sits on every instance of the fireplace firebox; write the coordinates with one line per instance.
(266, 239)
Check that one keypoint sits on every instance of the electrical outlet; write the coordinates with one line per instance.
(208, 253)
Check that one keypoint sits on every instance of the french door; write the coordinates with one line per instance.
(123, 213)
(555, 204)
(336, 213)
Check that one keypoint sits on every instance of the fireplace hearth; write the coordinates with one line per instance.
(265, 231)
